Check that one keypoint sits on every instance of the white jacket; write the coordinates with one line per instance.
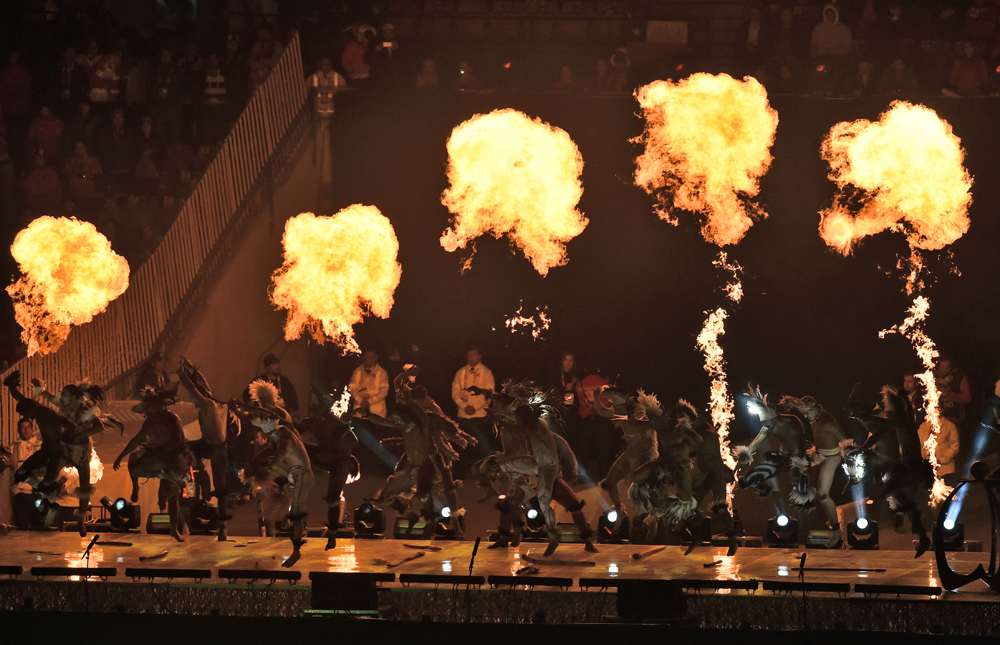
(373, 386)
(479, 376)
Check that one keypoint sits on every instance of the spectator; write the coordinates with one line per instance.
(83, 126)
(287, 398)
(215, 102)
(153, 374)
(115, 147)
(150, 139)
(370, 385)
(236, 71)
(80, 169)
(264, 55)
(107, 219)
(427, 79)
(136, 86)
(898, 80)
(620, 63)
(946, 451)
(830, 37)
(191, 65)
(912, 389)
(788, 40)
(471, 406)
(861, 84)
(15, 101)
(467, 79)
(750, 39)
(787, 81)
(954, 387)
(600, 80)
(325, 83)
(96, 65)
(27, 443)
(46, 132)
(969, 74)
(566, 82)
(73, 84)
(41, 191)
(355, 51)
(598, 437)
(167, 95)
(385, 60)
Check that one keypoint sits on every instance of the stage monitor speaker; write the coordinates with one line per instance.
(158, 524)
(819, 538)
(656, 600)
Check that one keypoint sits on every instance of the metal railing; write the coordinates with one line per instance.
(164, 289)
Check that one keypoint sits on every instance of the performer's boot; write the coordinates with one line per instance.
(553, 534)
(298, 521)
(582, 528)
(639, 529)
(504, 536)
(923, 541)
(174, 512)
(334, 521)
(517, 529)
(81, 517)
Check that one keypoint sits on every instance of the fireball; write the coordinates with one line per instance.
(707, 143)
(336, 270)
(70, 274)
(514, 176)
(908, 169)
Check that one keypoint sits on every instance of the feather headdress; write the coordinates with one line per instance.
(264, 393)
(757, 403)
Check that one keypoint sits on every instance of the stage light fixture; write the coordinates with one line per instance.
(125, 516)
(782, 531)
(369, 521)
(443, 530)
(532, 511)
(862, 534)
(952, 536)
(612, 528)
(204, 518)
(446, 512)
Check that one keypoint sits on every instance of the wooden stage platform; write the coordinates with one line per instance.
(572, 586)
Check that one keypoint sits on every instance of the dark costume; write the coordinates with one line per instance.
(332, 452)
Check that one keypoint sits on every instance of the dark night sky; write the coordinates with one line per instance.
(634, 293)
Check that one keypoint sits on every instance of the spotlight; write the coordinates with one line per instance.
(613, 528)
(445, 532)
(952, 535)
(446, 512)
(862, 534)
(369, 521)
(536, 521)
(125, 516)
(532, 513)
(782, 531)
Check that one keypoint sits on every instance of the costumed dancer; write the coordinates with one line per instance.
(714, 475)
(159, 450)
(892, 454)
(334, 442)
(788, 453)
(215, 421)
(827, 438)
(280, 474)
(641, 446)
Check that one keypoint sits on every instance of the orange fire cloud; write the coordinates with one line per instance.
(70, 274)
(514, 176)
(707, 143)
(336, 270)
(909, 166)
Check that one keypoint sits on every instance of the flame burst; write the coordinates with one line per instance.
(909, 167)
(707, 143)
(912, 329)
(339, 408)
(537, 325)
(70, 275)
(518, 177)
(96, 470)
(336, 270)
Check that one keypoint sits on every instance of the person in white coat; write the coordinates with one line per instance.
(370, 385)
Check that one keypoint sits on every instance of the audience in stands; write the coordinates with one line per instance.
(427, 79)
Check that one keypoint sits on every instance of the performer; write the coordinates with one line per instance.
(334, 442)
(904, 473)
(641, 446)
(370, 384)
(214, 420)
(714, 476)
(788, 453)
(159, 451)
(827, 438)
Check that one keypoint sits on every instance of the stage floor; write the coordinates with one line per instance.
(43, 549)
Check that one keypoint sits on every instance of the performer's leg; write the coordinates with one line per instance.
(219, 458)
(84, 492)
(565, 497)
(174, 511)
(304, 481)
(617, 473)
(546, 481)
(339, 472)
(827, 471)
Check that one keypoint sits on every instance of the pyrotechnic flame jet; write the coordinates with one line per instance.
(707, 143)
(537, 324)
(70, 274)
(909, 169)
(514, 176)
(336, 270)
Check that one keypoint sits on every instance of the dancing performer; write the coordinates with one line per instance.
(827, 438)
(629, 415)
(714, 475)
(891, 454)
(214, 420)
(788, 453)
(159, 451)
(334, 442)
(429, 440)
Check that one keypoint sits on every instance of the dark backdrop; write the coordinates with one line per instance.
(633, 295)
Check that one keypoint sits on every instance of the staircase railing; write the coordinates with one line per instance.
(162, 291)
